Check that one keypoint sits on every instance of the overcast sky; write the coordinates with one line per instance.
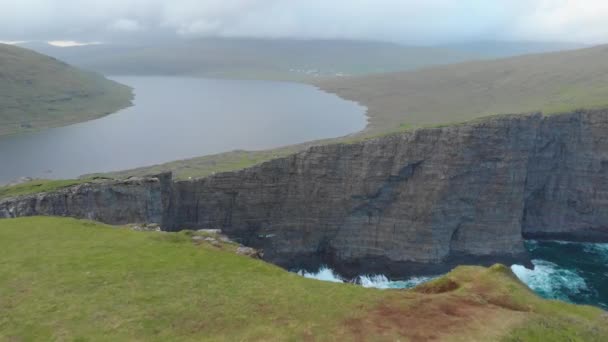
(408, 21)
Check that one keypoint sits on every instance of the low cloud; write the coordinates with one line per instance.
(410, 21)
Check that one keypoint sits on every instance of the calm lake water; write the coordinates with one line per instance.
(176, 118)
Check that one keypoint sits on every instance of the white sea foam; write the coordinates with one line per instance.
(325, 273)
(382, 282)
(376, 281)
(549, 280)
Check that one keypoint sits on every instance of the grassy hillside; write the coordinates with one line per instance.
(64, 279)
(552, 83)
(37, 92)
(500, 49)
(275, 59)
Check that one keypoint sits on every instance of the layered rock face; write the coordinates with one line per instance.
(567, 183)
(430, 196)
(113, 202)
(415, 197)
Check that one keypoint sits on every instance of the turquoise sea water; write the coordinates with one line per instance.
(569, 271)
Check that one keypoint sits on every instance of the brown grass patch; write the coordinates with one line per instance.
(440, 285)
(433, 318)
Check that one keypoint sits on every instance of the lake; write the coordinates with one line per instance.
(176, 118)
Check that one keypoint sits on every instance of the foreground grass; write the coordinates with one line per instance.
(65, 279)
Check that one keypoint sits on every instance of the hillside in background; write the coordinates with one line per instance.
(551, 83)
(502, 49)
(282, 59)
(65, 279)
(38, 91)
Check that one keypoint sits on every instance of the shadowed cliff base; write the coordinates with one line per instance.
(350, 270)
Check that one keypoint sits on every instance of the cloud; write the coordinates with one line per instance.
(70, 43)
(396, 20)
(125, 25)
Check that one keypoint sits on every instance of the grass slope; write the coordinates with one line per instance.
(37, 92)
(551, 82)
(38, 186)
(65, 279)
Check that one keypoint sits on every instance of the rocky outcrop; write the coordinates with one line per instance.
(136, 200)
(437, 196)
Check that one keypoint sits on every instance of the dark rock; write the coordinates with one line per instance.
(110, 201)
(248, 251)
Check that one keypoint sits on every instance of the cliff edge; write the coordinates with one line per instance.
(437, 196)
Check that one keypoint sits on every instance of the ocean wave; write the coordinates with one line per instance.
(600, 249)
(378, 281)
(324, 273)
(551, 281)
(382, 282)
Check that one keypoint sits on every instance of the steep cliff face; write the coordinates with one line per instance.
(113, 202)
(567, 184)
(422, 196)
(431, 196)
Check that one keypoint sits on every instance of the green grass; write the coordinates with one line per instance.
(38, 92)
(209, 165)
(37, 186)
(66, 279)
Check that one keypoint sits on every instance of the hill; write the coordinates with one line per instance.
(64, 279)
(500, 49)
(38, 91)
(275, 59)
(551, 83)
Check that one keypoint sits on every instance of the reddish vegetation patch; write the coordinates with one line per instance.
(421, 319)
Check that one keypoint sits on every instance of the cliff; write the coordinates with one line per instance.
(114, 202)
(437, 196)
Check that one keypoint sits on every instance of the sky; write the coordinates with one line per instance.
(403, 21)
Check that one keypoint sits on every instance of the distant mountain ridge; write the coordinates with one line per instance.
(38, 91)
(283, 59)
